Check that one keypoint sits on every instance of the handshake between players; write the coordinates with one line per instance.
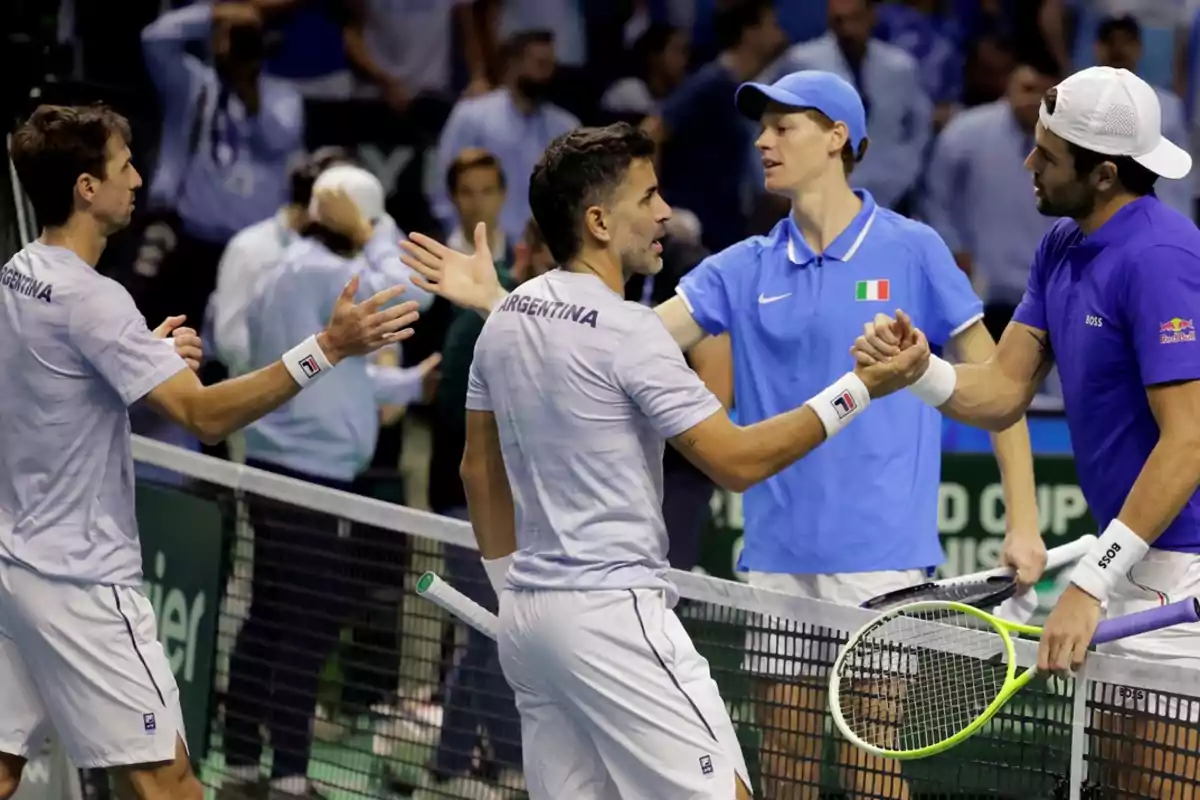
(891, 354)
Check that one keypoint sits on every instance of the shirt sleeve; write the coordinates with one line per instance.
(395, 386)
(1162, 309)
(951, 303)
(706, 295)
(456, 136)
(385, 269)
(650, 369)
(230, 301)
(478, 397)
(1032, 309)
(111, 334)
(945, 182)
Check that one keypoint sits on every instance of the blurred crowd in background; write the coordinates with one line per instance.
(238, 106)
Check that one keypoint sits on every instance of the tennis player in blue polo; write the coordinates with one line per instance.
(859, 518)
(1114, 300)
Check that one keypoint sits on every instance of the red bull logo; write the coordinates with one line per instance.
(1177, 329)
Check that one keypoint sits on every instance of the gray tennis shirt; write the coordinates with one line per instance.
(74, 353)
(585, 387)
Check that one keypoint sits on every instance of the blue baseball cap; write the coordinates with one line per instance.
(810, 88)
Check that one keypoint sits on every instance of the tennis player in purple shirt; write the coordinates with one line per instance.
(1114, 300)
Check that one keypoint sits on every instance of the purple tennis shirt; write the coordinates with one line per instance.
(1121, 307)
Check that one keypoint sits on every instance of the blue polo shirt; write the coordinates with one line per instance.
(1121, 307)
(867, 499)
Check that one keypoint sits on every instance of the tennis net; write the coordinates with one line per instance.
(288, 609)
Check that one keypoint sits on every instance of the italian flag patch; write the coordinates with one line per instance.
(873, 290)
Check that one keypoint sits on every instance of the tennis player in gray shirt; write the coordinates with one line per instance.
(572, 392)
(79, 649)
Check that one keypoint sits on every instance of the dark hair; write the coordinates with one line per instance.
(1041, 64)
(577, 170)
(651, 43)
(1133, 177)
(1125, 23)
(55, 146)
(247, 42)
(304, 174)
(515, 46)
(472, 158)
(850, 156)
(734, 17)
(336, 243)
(532, 235)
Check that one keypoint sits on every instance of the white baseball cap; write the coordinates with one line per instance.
(1114, 112)
(362, 187)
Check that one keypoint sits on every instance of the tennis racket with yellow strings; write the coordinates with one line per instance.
(925, 677)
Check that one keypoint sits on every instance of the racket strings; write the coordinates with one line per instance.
(921, 678)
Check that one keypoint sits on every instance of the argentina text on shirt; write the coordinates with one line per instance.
(24, 284)
(551, 309)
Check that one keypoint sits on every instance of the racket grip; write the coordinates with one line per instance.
(1069, 553)
(1178, 613)
(433, 588)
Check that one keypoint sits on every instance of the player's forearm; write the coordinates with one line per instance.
(1169, 477)
(231, 405)
(490, 503)
(680, 323)
(771, 446)
(214, 412)
(1014, 456)
(987, 398)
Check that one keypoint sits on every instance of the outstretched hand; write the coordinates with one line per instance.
(356, 329)
(469, 281)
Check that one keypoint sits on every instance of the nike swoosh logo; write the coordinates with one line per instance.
(763, 299)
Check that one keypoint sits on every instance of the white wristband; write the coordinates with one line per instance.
(1108, 560)
(306, 362)
(935, 387)
(497, 571)
(840, 402)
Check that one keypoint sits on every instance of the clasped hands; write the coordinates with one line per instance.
(891, 354)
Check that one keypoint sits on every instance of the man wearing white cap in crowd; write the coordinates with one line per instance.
(1113, 298)
(326, 437)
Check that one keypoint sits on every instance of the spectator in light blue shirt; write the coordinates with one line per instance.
(326, 439)
(925, 38)
(228, 130)
(515, 123)
(899, 112)
(228, 135)
(979, 198)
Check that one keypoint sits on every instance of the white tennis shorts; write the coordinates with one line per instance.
(86, 660)
(1160, 578)
(785, 648)
(615, 701)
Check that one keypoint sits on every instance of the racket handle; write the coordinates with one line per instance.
(1056, 557)
(1179, 613)
(1069, 553)
(433, 588)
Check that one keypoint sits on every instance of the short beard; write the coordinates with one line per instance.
(1076, 201)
